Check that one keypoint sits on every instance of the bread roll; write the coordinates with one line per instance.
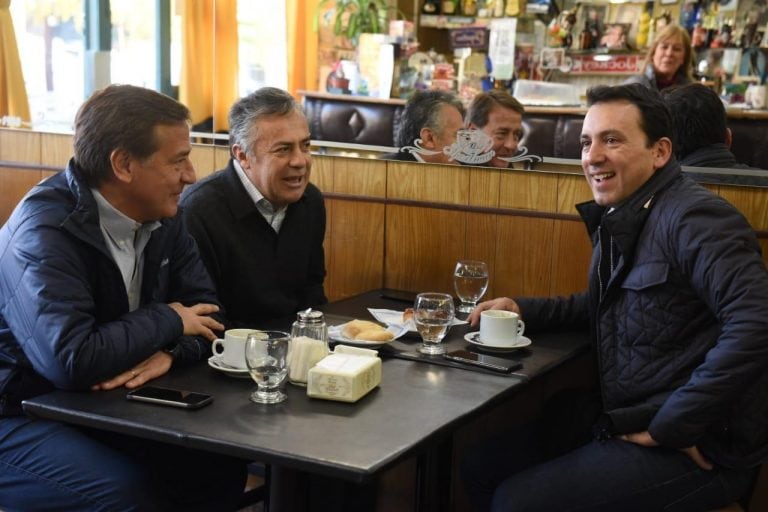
(365, 330)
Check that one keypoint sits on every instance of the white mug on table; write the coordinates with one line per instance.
(500, 328)
(231, 349)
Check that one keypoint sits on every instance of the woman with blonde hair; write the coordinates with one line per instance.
(669, 60)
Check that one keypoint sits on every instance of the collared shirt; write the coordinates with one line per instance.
(273, 217)
(126, 240)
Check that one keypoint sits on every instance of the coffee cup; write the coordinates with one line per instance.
(500, 328)
(231, 349)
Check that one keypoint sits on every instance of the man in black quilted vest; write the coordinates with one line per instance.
(676, 305)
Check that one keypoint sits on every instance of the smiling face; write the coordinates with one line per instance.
(668, 57)
(615, 154)
(279, 163)
(156, 182)
(505, 127)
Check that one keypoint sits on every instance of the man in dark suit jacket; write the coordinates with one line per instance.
(259, 223)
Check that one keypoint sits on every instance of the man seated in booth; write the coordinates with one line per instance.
(260, 223)
(701, 134)
(500, 116)
(102, 287)
(429, 123)
(676, 307)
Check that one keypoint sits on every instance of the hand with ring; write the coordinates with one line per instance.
(155, 366)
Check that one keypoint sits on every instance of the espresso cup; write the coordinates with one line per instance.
(231, 349)
(500, 328)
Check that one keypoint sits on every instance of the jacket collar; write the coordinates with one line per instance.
(627, 218)
(240, 203)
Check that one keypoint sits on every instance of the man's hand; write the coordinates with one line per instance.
(157, 364)
(500, 303)
(644, 439)
(196, 320)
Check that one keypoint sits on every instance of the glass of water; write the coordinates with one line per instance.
(433, 314)
(265, 356)
(470, 279)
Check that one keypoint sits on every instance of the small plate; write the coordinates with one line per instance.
(334, 333)
(215, 363)
(474, 338)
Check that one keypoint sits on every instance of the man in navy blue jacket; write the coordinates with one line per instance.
(101, 286)
(676, 305)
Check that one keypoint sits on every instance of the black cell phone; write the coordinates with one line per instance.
(498, 364)
(399, 295)
(170, 397)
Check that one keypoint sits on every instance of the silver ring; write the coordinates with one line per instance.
(133, 373)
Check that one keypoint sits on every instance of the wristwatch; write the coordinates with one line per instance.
(174, 351)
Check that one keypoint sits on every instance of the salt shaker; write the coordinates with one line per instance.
(309, 344)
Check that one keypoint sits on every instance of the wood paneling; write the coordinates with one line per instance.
(480, 244)
(571, 252)
(221, 156)
(322, 173)
(202, 160)
(571, 190)
(484, 187)
(528, 190)
(15, 183)
(753, 203)
(524, 253)
(20, 146)
(358, 177)
(422, 246)
(354, 248)
(428, 182)
(56, 149)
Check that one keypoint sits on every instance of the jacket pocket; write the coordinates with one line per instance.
(645, 275)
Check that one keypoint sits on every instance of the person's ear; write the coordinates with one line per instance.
(728, 137)
(427, 136)
(240, 155)
(662, 151)
(120, 160)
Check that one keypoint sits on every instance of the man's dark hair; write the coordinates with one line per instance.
(120, 117)
(266, 102)
(483, 103)
(423, 111)
(655, 120)
(698, 117)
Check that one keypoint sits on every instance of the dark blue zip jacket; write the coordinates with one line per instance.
(681, 329)
(64, 319)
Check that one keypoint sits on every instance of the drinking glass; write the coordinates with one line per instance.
(470, 279)
(265, 355)
(433, 314)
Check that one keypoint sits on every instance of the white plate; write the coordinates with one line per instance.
(474, 338)
(334, 333)
(215, 363)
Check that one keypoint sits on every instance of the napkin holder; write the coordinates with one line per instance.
(346, 375)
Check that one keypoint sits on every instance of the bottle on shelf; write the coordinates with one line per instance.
(449, 7)
(585, 37)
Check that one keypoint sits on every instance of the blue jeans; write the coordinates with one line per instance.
(555, 464)
(46, 465)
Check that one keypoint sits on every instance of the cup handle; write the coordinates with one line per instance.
(520, 327)
(217, 343)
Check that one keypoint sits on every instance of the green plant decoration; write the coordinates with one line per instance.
(355, 17)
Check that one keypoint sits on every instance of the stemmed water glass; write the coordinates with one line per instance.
(433, 314)
(470, 279)
(265, 356)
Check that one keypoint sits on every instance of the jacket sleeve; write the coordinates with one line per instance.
(51, 310)
(567, 313)
(718, 251)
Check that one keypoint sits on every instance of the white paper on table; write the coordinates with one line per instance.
(392, 317)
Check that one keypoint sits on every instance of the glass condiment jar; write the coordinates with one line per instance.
(309, 344)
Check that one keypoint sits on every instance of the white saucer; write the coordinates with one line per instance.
(215, 363)
(335, 334)
(474, 338)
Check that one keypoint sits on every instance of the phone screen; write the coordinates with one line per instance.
(171, 397)
(482, 360)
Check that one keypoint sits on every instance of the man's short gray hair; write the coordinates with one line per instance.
(247, 111)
